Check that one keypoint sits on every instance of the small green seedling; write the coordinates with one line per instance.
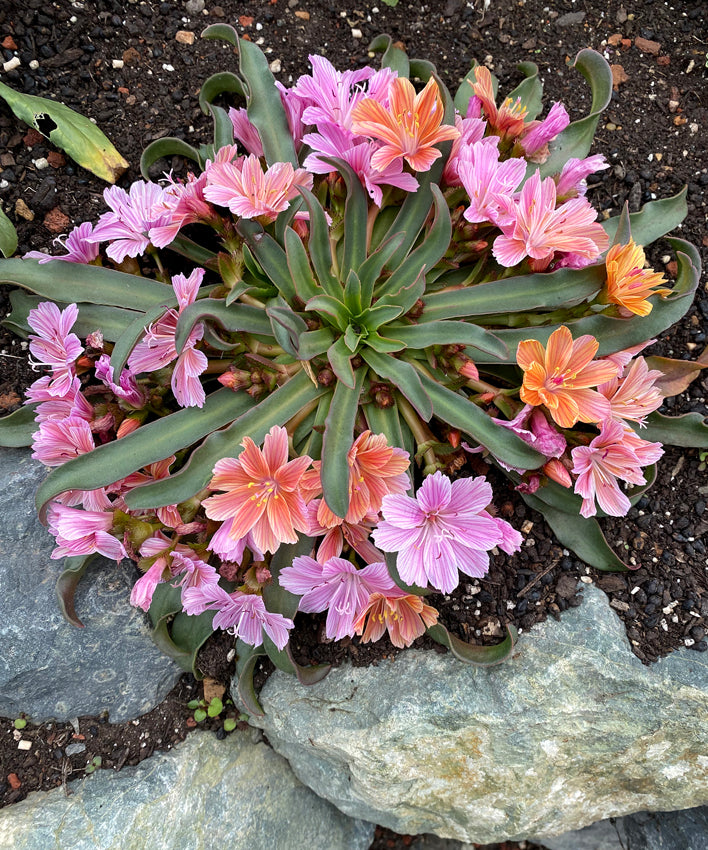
(20, 722)
(94, 764)
(229, 724)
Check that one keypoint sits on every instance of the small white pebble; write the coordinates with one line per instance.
(24, 745)
(688, 641)
(41, 163)
(634, 590)
(509, 604)
(357, 33)
(259, 27)
(586, 579)
(167, 68)
(34, 64)
(276, 66)
(117, 64)
(11, 64)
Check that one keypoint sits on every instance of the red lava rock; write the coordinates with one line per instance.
(32, 137)
(626, 43)
(245, 20)
(619, 76)
(123, 90)
(56, 159)
(14, 781)
(672, 269)
(191, 722)
(615, 39)
(663, 61)
(130, 55)
(9, 43)
(56, 221)
(647, 46)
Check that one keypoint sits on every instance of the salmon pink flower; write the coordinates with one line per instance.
(334, 537)
(250, 192)
(336, 586)
(405, 616)
(262, 492)
(539, 230)
(443, 530)
(629, 284)
(616, 453)
(561, 376)
(634, 396)
(508, 120)
(409, 127)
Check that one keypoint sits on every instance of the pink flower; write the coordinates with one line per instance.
(54, 345)
(58, 407)
(262, 492)
(405, 616)
(634, 396)
(79, 248)
(537, 134)
(232, 549)
(83, 533)
(167, 514)
(185, 203)
(485, 179)
(471, 130)
(571, 181)
(157, 349)
(250, 192)
(616, 453)
(133, 214)
(443, 530)
(245, 131)
(242, 614)
(128, 389)
(336, 586)
(144, 588)
(532, 426)
(540, 231)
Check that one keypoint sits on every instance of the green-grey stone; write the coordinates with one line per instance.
(203, 795)
(573, 729)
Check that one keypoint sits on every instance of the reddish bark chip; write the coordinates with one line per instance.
(56, 221)
(14, 781)
(56, 159)
(32, 137)
(245, 20)
(9, 43)
(647, 46)
(619, 76)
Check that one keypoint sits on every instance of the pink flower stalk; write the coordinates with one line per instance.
(157, 349)
(54, 345)
(409, 127)
(333, 141)
(571, 182)
(355, 535)
(443, 530)
(128, 389)
(133, 214)
(336, 586)
(537, 134)
(186, 204)
(167, 514)
(634, 396)
(612, 455)
(77, 245)
(250, 192)
(405, 616)
(471, 130)
(83, 533)
(486, 179)
(262, 492)
(375, 470)
(540, 231)
(242, 614)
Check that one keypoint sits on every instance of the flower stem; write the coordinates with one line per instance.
(421, 433)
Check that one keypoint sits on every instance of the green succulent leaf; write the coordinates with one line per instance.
(449, 333)
(223, 128)
(17, 428)
(356, 210)
(621, 229)
(8, 236)
(251, 421)
(72, 282)
(222, 32)
(299, 266)
(403, 376)
(232, 318)
(529, 91)
(352, 338)
(373, 265)
(689, 430)
(353, 295)
(564, 287)
(313, 343)
(384, 345)
(313, 444)
(320, 252)
(149, 444)
(654, 220)
(478, 656)
(393, 57)
(224, 82)
(287, 326)
(340, 359)
(166, 147)
(189, 633)
(283, 660)
(383, 313)
(66, 585)
(582, 536)
(73, 133)
(271, 257)
(332, 308)
(458, 412)
(265, 108)
(338, 439)
(246, 659)
(577, 138)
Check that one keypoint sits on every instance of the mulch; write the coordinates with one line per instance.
(124, 65)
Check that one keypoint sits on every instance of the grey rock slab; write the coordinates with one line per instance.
(49, 668)
(572, 730)
(203, 795)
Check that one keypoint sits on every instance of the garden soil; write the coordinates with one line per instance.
(136, 69)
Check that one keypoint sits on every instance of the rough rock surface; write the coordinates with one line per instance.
(572, 730)
(49, 668)
(205, 794)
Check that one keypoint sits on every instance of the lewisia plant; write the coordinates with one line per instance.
(267, 383)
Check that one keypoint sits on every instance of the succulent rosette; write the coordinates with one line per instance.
(362, 281)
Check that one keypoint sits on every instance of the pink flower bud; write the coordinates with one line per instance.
(127, 426)
(555, 470)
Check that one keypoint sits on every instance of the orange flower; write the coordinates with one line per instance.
(410, 126)
(508, 120)
(404, 615)
(629, 284)
(375, 470)
(262, 492)
(560, 377)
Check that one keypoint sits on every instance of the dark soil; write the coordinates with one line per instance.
(653, 135)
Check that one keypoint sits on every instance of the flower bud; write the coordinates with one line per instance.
(555, 470)
(127, 426)
(469, 371)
